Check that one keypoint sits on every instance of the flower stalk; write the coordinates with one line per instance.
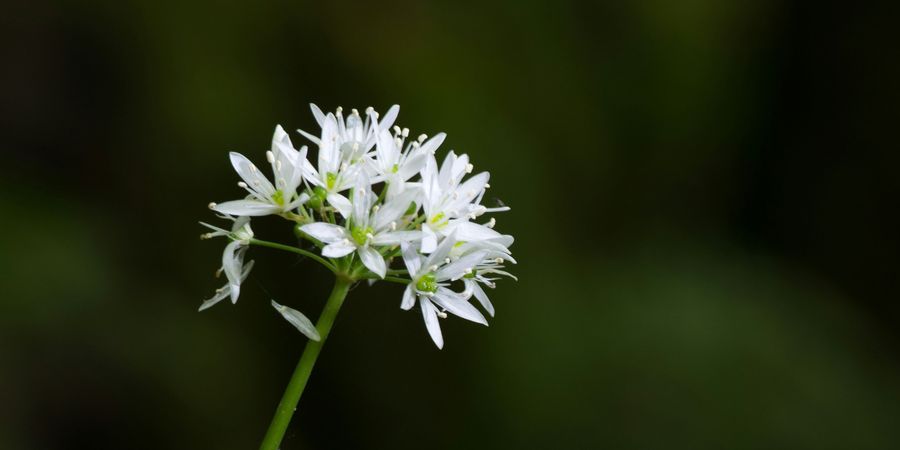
(294, 389)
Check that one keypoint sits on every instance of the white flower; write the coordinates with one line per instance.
(266, 198)
(342, 146)
(232, 259)
(429, 281)
(496, 253)
(366, 227)
(395, 164)
(449, 203)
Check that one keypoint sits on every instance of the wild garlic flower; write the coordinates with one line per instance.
(232, 259)
(374, 197)
(369, 226)
(342, 146)
(265, 197)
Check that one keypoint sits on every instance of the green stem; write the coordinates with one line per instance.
(299, 251)
(294, 389)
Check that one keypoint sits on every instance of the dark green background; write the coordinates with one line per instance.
(702, 196)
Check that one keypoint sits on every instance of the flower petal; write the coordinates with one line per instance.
(429, 313)
(325, 232)
(396, 237)
(457, 305)
(247, 208)
(340, 203)
(340, 248)
(298, 320)
(251, 175)
(411, 259)
(409, 298)
(373, 260)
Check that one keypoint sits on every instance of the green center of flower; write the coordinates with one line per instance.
(278, 197)
(330, 179)
(395, 168)
(359, 234)
(438, 221)
(426, 283)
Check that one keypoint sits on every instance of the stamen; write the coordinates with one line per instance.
(405, 132)
(211, 205)
(469, 168)
(278, 165)
(499, 260)
(270, 156)
(253, 168)
(394, 226)
(370, 110)
(355, 146)
(422, 137)
(376, 208)
(442, 314)
(491, 223)
(432, 268)
(396, 129)
(468, 270)
(487, 185)
(241, 184)
(338, 110)
(370, 236)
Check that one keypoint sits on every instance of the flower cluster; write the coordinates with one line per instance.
(374, 197)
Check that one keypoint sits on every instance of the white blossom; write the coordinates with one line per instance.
(232, 259)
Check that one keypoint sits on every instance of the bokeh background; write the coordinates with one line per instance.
(703, 196)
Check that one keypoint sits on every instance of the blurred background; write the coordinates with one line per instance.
(701, 193)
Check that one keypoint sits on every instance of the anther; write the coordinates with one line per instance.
(270, 156)
(499, 260)
(376, 208)
(370, 236)
(338, 110)
(211, 205)
(370, 110)
(355, 146)
(253, 168)
(394, 226)
(405, 132)
(278, 165)
(442, 314)
(432, 268)
(422, 137)
(446, 260)
(467, 271)
(396, 129)
(469, 168)
(241, 184)
(491, 223)
(355, 112)
(487, 185)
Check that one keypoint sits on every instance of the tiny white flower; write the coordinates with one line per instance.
(449, 203)
(430, 276)
(366, 228)
(342, 146)
(264, 197)
(395, 164)
(232, 259)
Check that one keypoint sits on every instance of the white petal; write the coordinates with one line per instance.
(341, 203)
(429, 239)
(340, 248)
(442, 251)
(220, 295)
(325, 232)
(481, 296)
(394, 208)
(429, 313)
(298, 320)
(457, 305)
(396, 237)
(373, 260)
(411, 259)
(247, 208)
(457, 269)
(472, 232)
(409, 298)
(251, 175)
(317, 113)
(389, 117)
